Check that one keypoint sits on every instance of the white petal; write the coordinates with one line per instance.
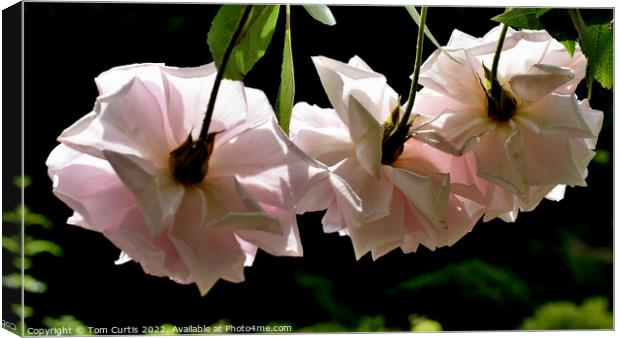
(157, 193)
(551, 159)
(431, 199)
(122, 258)
(380, 232)
(320, 133)
(375, 194)
(502, 160)
(130, 121)
(453, 75)
(89, 186)
(367, 135)
(594, 119)
(557, 194)
(230, 206)
(540, 81)
(455, 132)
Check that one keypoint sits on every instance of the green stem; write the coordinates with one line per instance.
(416, 70)
(220, 72)
(498, 52)
(584, 39)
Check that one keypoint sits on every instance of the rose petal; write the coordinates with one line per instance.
(502, 160)
(320, 133)
(540, 81)
(453, 76)
(157, 193)
(366, 134)
(89, 186)
(555, 113)
(113, 128)
(431, 199)
(551, 159)
(208, 253)
(375, 194)
(381, 231)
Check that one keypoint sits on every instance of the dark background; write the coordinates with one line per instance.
(67, 45)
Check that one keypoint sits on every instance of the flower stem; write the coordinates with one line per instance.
(220, 72)
(498, 52)
(416, 70)
(584, 39)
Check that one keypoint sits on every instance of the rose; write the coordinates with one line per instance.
(405, 203)
(529, 141)
(115, 169)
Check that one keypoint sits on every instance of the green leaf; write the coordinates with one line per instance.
(14, 281)
(570, 46)
(17, 262)
(17, 310)
(321, 13)
(564, 315)
(36, 247)
(600, 55)
(19, 181)
(558, 23)
(602, 157)
(423, 324)
(12, 245)
(596, 40)
(30, 218)
(252, 42)
(416, 18)
(527, 18)
(286, 94)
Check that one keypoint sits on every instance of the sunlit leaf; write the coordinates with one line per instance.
(19, 181)
(565, 315)
(17, 310)
(558, 24)
(14, 281)
(321, 13)
(602, 157)
(30, 218)
(286, 94)
(36, 247)
(422, 324)
(12, 245)
(253, 40)
(522, 17)
(17, 262)
(600, 54)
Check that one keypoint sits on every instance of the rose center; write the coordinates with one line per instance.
(190, 161)
(394, 137)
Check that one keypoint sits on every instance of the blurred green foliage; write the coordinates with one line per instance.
(602, 157)
(73, 325)
(593, 313)
(322, 290)
(31, 247)
(423, 324)
(473, 279)
(586, 263)
(494, 292)
(364, 324)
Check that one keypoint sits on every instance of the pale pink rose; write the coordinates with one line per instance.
(544, 144)
(112, 168)
(413, 200)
